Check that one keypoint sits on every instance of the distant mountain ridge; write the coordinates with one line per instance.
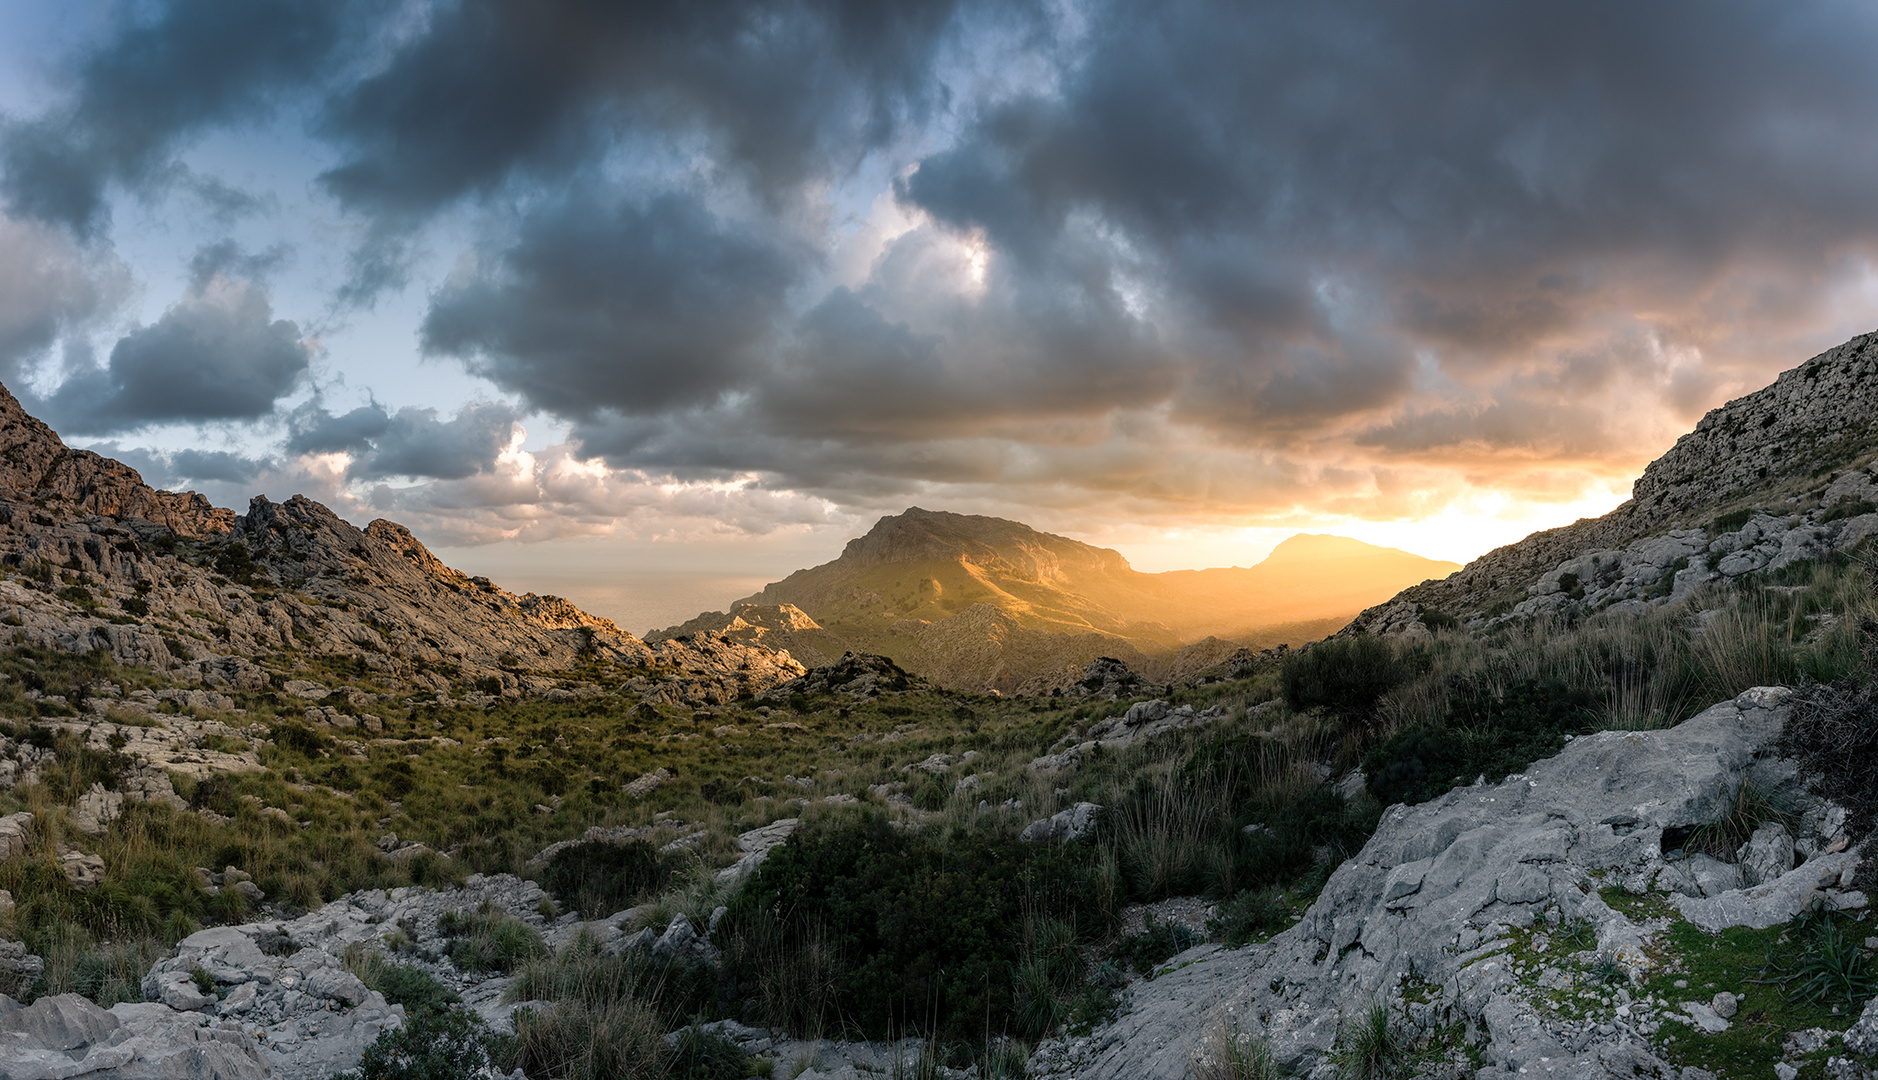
(986, 603)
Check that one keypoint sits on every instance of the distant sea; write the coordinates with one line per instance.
(640, 602)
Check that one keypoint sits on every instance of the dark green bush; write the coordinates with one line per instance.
(597, 878)
(707, 1055)
(236, 563)
(446, 1045)
(1159, 940)
(1346, 674)
(1481, 735)
(412, 987)
(922, 931)
(300, 740)
(1252, 915)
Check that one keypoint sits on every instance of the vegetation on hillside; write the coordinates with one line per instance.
(908, 905)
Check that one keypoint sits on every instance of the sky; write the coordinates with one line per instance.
(672, 292)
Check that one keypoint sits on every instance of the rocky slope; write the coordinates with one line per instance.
(97, 559)
(1484, 914)
(986, 604)
(1789, 471)
(1447, 914)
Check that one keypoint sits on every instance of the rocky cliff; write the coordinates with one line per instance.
(1787, 472)
(97, 559)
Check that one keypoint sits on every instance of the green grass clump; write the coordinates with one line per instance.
(1824, 965)
(1233, 1054)
(489, 939)
(1751, 806)
(402, 984)
(1372, 1046)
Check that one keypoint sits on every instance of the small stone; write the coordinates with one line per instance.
(1725, 1005)
(1705, 1017)
(1785, 1071)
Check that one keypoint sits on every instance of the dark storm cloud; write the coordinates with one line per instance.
(194, 64)
(636, 307)
(313, 430)
(1329, 237)
(409, 442)
(786, 90)
(416, 443)
(218, 353)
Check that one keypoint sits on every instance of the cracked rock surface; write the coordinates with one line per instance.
(1434, 898)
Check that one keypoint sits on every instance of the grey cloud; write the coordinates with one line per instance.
(491, 87)
(313, 430)
(625, 306)
(192, 65)
(49, 286)
(409, 442)
(216, 466)
(416, 443)
(1475, 177)
(218, 353)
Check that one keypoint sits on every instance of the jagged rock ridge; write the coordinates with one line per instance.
(103, 561)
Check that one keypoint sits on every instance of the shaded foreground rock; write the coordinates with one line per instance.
(66, 1035)
(1432, 897)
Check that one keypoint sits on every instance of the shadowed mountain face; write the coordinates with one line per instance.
(985, 603)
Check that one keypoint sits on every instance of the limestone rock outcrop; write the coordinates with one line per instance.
(1436, 897)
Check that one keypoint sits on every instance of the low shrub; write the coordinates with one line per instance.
(1483, 734)
(918, 929)
(1347, 674)
(706, 1055)
(1145, 951)
(1252, 915)
(597, 878)
(446, 1045)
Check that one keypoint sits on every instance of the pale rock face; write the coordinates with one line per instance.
(1076, 823)
(1767, 855)
(756, 845)
(15, 831)
(1435, 891)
